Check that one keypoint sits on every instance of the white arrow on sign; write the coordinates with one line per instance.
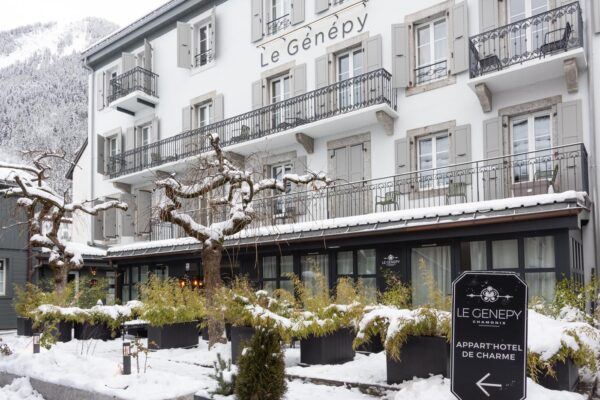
(481, 385)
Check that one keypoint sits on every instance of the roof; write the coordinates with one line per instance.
(134, 33)
(490, 211)
(69, 174)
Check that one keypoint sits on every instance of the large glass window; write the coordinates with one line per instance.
(312, 268)
(432, 51)
(277, 272)
(530, 37)
(473, 256)
(203, 44)
(280, 91)
(204, 114)
(433, 159)
(431, 271)
(350, 65)
(505, 254)
(280, 10)
(345, 263)
(3, 278)
(531, 143)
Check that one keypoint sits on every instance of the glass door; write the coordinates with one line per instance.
(349, 65)
(531, 147)
(527, 37)
(431, 275)
(280, 91)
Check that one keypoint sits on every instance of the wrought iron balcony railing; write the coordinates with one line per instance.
(548, 33)
(136, 79)
(340, 98)
(553, 170)
(278, 24)
(204, 58)
(431, 72)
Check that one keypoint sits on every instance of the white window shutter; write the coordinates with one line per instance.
(321, 6)
(256, 15)
(100, 163)
(372, 53)
(298, 12)
(147, 55)
(110, 221)
(218, 108)
(460, 29)
(155, 131)
(213, 32)
(402, 156)
(298, 80)
(186, 118)
(400, 56)
(128, 62)
(460, 144)
(126, 218)
(488, 15)
(184, 45)
(143, 212)
(570, 123)
(257, 95)
(129, 139)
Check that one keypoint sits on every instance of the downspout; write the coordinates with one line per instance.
(91, 143)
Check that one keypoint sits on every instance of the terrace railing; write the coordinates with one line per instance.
(552, 170)
(548, 33)
(339, 98)
(136, 79)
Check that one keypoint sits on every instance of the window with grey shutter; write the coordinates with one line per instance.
(257, 95)
(98, 223)
(298, 74)
(186, 118)
(321, 81)
(494, 173)
(110, 221)
(321, 6)
(570, 123)
(488, 15)
(184, 45)
(298, 11)
(256, 15)
(400, 56)
(147, 55)
(126, 218)
(155, 131)
(460, 28)
(372, 51)
(100, 90)
(218, 108)
(143, 212)
(100, 164)
(129, 139)
(460, 145)
(402, 156)
(128, 62)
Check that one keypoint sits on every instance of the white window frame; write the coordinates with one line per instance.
(278, 9)
(531, 140)
(4, 269)
(435, 169)
(206, 107)
(280, 202)
(278, 115)
(529, 34)
(113, 145)
(432, 41)
(350, 94)
(111, 73)
(198, 27)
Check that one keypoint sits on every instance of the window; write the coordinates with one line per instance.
(111, 85)
(366, 273)
(280, 91)
(350, 65)
(143, 140)
(531, 137)
(277, 273)
(204, 114)
(203, 51)
(433, 158)
(531, 38)
(3, 277)
(505, 254)
(280, 11)
(314, 270)
(431, 268)
(113, 146)
(432, 51)
(473, 256)
(74, 277)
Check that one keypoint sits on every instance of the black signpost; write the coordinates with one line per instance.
(489, 336)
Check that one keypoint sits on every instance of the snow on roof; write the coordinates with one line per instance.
(84, 249)
(154, 244)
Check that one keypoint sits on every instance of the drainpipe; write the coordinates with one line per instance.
(91, 143)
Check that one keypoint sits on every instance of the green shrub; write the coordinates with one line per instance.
(27, 299)
(397, 294)
(224, 376)
(261, 368)
(570, 301)
(90, 292)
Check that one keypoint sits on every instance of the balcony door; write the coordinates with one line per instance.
(280, 91)
(143, 140)
(526, 38)
(350, 195)
(282, 205)
(531, 137)
(349, 65)
(432, 51)
(280, 10)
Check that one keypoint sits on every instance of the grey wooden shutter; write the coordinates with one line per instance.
(257, 95)
(340, 165)
(256, 15)
(299, 80)
(596, 11)
(488, 15)
(213, 32)
(372, 53)
(218, 108)
(495, 170)
(100, 90)
(321, 6)
(402, 156)
(128, 62)
(184, 45)
(100, 164)
(98, 222)
(297, 12)
(300, 165)
(155, 131)
(129, 139)
(570, 123)
(143, 212)
(322, 71)
(356, 162)
(460, 144)
(110, 221)
(400, 56)
(126, 218)
(460, 28)
(186, 118)
(147, 55)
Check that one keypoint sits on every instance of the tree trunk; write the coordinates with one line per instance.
(211, 264)
(61, 277)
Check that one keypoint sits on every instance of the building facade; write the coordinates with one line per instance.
(460, 136)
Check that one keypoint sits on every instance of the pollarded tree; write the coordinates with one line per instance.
(42, 204)
(236, 190)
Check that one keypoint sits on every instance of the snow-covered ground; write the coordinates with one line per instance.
(96, 366)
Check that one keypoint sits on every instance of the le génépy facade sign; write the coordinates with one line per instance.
(489, 336)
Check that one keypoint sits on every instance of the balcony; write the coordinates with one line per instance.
(535, 49)
(554, 170)
(133, 91)
(319, 112)
(279, 24)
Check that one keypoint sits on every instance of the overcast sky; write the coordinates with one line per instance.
(15, 13)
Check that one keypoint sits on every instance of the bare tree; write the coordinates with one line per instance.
(235, 190)
(41, 203)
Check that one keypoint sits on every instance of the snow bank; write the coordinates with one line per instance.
(438, 388)
(19, 389)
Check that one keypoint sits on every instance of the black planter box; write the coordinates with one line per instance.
(204, 333)
(63, 331)
(182, 334)
(87, 331)
(420, 356)
(567, 376)
(335, 348)
(374, 346)
(240, 336)
(24, 326)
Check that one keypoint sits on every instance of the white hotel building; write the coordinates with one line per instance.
(461, 135)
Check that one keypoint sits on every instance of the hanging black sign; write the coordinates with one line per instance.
(489, 336)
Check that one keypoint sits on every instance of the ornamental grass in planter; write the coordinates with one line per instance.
(327, 324)
(173, 313)
(27, 299)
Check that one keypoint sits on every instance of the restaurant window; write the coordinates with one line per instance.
(539, 255)
(363, 271)
(312, 268)
(431, 271)
(505, 254)
(473, 256)
(277, 272)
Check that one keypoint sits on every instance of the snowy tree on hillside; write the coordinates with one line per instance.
(41, 204)
(221, 184)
